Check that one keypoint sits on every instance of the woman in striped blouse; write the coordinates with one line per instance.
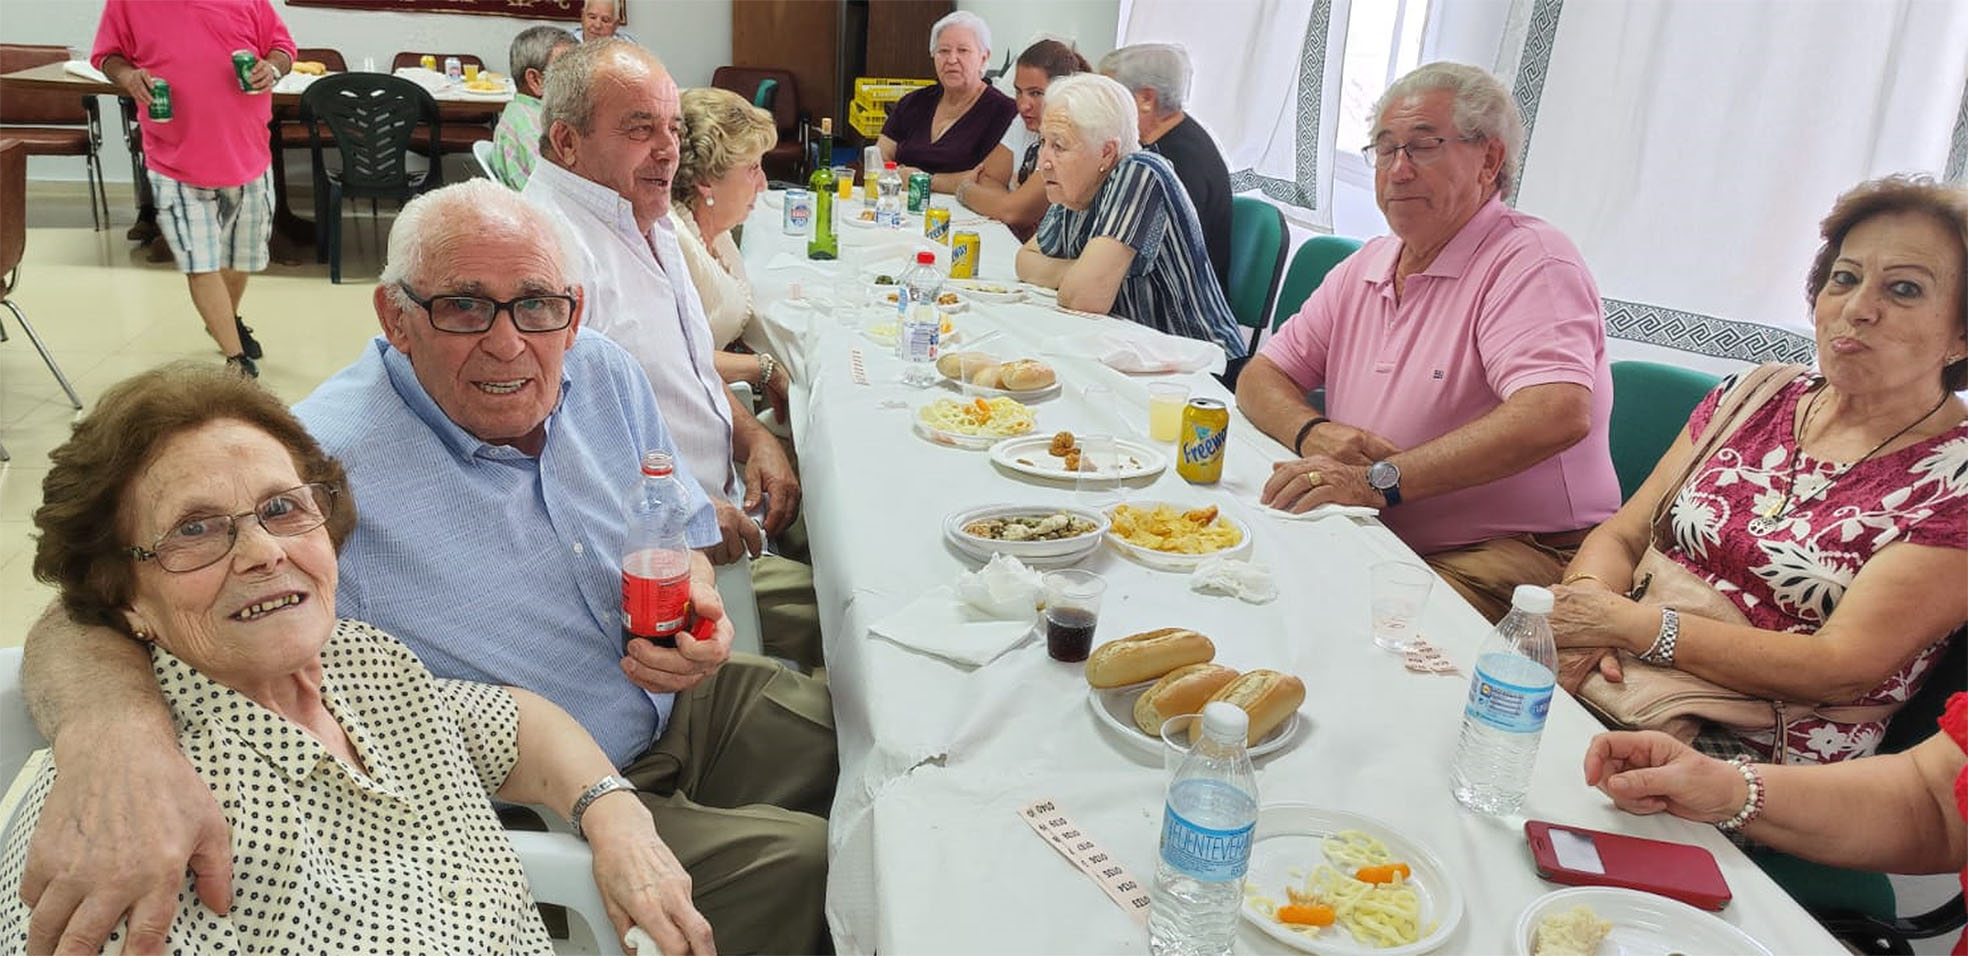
(1122, 236)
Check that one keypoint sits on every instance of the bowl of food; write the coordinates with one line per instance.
(1174, 537)
(1031, 533)
(975, 423)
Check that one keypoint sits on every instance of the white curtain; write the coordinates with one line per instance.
(1266, 87)
(1690, 147)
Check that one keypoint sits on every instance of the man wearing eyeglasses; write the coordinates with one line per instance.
(1463, 357)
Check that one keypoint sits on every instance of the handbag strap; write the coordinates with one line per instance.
(1750, 393)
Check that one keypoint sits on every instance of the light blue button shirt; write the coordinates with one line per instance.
(491, 564)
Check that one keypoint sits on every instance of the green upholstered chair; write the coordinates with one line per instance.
(1309, 266)
(1257, 256)
(1651, 403)
(763, 97)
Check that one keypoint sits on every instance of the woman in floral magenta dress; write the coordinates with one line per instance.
(1835, 518)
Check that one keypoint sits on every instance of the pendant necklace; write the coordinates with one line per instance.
(1773, 517)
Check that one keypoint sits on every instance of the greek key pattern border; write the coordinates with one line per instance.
(1705, 334)
(1532, 67)
(1302, 191)
(1957, 163)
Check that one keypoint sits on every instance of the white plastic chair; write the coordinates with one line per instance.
(482, 151)
(734, 585)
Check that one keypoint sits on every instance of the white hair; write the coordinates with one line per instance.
(475, 207)
(962, 18)
(1483, 107)
(614, 6)
(1101, 109)
(1161, 67)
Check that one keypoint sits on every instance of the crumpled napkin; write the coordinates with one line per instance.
(989, 612)
(1004, 587)
(1322, 511)
(1126, 350)
(1233, 576)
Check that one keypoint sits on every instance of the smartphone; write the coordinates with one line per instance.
(1596, 858)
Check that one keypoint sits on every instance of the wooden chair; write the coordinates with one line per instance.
(781, 98)
(53, 123)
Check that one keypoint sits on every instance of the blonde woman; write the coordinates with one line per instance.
(718, 178)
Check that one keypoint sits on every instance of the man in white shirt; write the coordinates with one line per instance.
(611, 114)
(601, 19)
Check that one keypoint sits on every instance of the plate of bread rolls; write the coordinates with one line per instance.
(1025, 379)
(1137, 682)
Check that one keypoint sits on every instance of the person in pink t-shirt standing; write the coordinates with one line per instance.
(1464, 357)
(210, 164)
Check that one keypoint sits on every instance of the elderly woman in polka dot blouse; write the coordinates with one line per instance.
(191, 511)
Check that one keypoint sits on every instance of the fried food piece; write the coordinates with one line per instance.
(1073, 460)
(1062, 442)
(1201, 516)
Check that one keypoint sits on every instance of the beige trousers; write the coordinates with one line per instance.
(1486, 573)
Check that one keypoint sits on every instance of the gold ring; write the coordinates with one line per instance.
(1312, 479)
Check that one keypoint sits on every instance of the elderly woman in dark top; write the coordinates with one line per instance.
(945, 130)
(1003, 187)
(1158, 75)
(1834, 520)
(1121, 236)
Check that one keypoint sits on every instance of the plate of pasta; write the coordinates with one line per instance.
(1328, 881)
(1175, 537)
(975, 423)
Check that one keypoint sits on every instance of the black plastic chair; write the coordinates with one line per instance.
(371, 117)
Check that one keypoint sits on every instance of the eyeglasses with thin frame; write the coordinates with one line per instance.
(1421, 150)
(201, 541)
(472, 314)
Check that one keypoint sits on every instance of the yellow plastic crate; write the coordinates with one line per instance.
(882, 90)
(867, 120)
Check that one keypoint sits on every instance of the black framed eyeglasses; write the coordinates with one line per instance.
(1421, 150)
(201, 541)
(473, 314)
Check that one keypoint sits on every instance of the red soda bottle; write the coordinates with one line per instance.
(655, 556)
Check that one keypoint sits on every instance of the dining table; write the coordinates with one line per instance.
(934, 842)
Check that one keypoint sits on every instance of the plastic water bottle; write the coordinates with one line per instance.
(655, 555)
(1207, 825)
(1509, 697)
(889, 199)
(919, 329)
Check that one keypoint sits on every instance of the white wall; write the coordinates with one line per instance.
(1015, 24)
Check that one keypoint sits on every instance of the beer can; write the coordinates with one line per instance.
(1205, 426)
(918, 192)
(965, 247)
(453, 69)
(160, 100)
(936, 224)
(799, 211)
(243, 62)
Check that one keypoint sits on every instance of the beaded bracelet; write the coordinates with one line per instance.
(1662, 652)
(1753, 804)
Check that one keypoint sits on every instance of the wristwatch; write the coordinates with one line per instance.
(601, 788)
(1385, 477)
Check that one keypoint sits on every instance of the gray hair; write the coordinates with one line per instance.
(533, 47)
(1101, 110)
(568, 96)
(614, 6)
(471, 208)
(1483, 107)
(1161, 67)
(962, 18)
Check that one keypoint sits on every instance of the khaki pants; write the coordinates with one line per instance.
(1485, 574)
(789, 613)
(739, 785)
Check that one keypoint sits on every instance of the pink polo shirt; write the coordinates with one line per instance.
(217, 136)
(1506, 305)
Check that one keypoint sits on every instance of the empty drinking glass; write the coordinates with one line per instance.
(1398, 591)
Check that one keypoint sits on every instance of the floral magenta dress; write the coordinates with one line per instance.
(1792, 578)
(1954, 723)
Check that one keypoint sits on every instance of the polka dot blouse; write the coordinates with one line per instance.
(405, 858)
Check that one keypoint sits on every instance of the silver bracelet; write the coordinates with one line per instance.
(1752, 804)
(1662, 652)
(767, 365)
(603, 787)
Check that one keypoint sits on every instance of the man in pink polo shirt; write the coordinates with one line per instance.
(210, 164)
(1464, 357)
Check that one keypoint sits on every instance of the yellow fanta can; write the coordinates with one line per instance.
(1205, 426)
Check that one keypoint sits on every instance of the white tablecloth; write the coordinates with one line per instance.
(928, 854)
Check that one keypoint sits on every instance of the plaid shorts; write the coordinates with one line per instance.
(213, 229)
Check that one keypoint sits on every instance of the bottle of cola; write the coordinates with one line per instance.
(655, 556)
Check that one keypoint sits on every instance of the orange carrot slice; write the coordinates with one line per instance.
(1311, 914)
(1384, 873)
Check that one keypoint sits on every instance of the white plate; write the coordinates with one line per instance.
(1291, 836)
(1037, 554)
(954, 439)
(1114, 706)
(1026, 454)
(1643, 924)
(1171, 561)
(889, 296)
(1027, 396)
(466, 91)
(981, 290)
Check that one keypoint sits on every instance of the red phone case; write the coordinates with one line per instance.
(1674, 870)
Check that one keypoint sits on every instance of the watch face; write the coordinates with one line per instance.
(1383, 475)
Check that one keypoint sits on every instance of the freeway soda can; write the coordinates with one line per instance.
(1205, 426)
(936, 224)
(965, 247)
(160, 100)
(799, 212)
(918, 192)
(243, 62)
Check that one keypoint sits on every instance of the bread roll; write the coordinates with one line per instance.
(986, 376)
(960, 365)
(1146, 656)
(1024, 375)
(1181, 691)
(1267, 696)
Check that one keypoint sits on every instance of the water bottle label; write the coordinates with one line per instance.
(1201, 853)
(1513, 708)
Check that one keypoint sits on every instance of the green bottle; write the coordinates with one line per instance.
(824, 244)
